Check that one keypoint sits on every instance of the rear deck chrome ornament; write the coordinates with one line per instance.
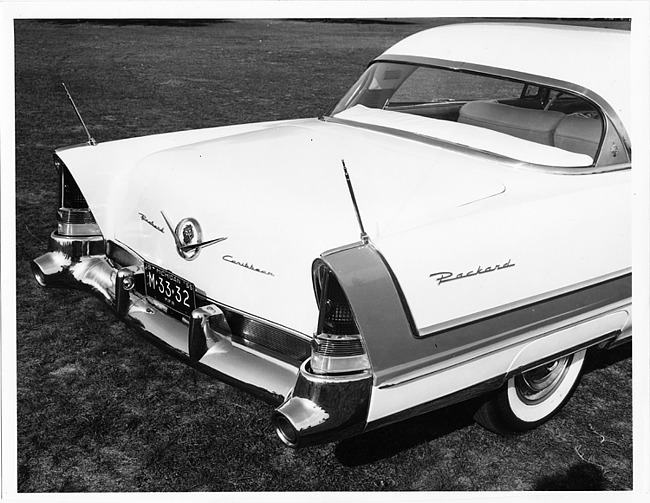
(188, 237)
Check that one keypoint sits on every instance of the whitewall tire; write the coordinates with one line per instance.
(532, 398)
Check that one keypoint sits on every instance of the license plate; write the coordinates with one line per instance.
(173, 291)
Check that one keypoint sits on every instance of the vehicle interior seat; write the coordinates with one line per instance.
(579, 134)
(529, 124)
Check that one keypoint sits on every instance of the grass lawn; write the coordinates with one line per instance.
(99, 409)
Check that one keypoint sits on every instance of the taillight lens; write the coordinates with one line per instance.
(74, 216)
(337, 345)
(71, 196)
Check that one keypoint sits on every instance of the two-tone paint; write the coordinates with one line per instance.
(540, 255)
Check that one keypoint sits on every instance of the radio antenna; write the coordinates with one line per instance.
(91, 140)
(364, 236)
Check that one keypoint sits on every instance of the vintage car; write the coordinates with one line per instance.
(456, 227)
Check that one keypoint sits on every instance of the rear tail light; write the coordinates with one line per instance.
(74, 218)
(337, 345)
(71, 196)
(76, 222)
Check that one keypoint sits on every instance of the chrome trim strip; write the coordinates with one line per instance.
(351, 246)
(605, 338)
(523, 339)
(77, 246)
(476, 317)
(457, 147)
(382, 317)
(68, 229)
(493, 367)
(462, 395)
(512, 327)
(373, 254)
(478, 389)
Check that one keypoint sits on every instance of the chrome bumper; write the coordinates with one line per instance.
(323, 409)
(313, 409)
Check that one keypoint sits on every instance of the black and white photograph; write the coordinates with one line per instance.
(376, 249)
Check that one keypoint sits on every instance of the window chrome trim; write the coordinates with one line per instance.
(520, 76)
(610, 117)
(457, 147)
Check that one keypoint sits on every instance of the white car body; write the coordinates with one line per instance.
(467, 256)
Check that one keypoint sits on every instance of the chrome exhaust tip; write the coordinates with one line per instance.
(297, 419)
(51, 269)
(286, 431)
(57, 270)
(38, 273)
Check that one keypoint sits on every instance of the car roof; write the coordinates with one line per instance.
(597, 59)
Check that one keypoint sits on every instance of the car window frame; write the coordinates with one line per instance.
(613, 128)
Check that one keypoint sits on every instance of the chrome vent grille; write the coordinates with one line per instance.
(267, 336)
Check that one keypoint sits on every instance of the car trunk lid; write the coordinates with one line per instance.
(276, 199)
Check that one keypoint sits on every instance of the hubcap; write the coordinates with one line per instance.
(536, 384)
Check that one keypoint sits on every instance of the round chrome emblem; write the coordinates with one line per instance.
(188, 232)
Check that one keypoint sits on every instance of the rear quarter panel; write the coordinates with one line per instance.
(555, 232)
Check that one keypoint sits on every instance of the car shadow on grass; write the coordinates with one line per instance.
(581, 476)
(599, 359)
(392, 439)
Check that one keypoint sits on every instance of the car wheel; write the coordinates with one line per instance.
(531, 398)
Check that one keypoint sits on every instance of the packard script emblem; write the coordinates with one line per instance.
(151, 222)
(188, 237)
(444, 277)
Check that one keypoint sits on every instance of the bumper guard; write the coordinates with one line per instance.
(314, 409)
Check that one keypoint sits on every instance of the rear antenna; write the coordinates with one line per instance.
(91, 140)
(364, 236)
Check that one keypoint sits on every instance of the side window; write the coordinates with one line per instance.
(531, 91)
